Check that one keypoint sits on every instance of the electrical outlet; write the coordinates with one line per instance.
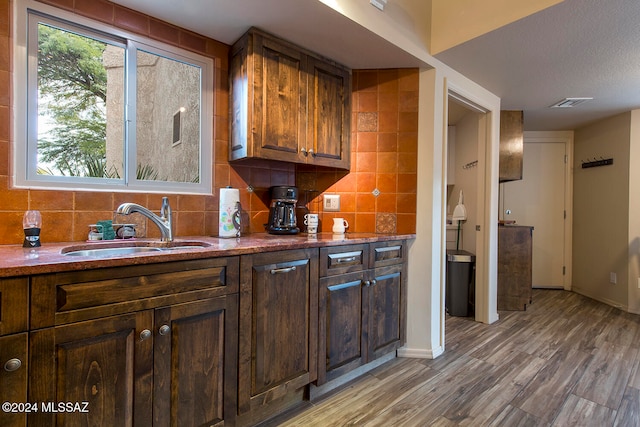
(331, 203)
(613, 278)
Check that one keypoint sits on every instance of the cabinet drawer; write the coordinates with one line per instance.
(343, 259)
(82, 295)
(14, 305)
(388, 253)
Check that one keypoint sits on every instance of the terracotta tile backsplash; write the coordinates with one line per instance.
(383, 158)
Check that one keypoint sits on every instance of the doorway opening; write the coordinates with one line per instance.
(465, 186)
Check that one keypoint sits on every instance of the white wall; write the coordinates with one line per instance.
(601, 211)
(466, 179)
(634, 214)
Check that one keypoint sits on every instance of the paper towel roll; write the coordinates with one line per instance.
(229, 209)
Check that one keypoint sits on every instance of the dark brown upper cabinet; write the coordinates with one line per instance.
(511, 145)
(288, 104)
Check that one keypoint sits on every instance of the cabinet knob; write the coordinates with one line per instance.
(12, 365)
(145, 335)
(374, 282)
(367, 283)
(164, 330)
(304, 151)
(312, 152)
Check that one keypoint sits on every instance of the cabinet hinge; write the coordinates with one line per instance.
(566, 158)
(564, 270)
(564, 214)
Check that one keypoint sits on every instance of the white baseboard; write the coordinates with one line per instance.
(607, 301)
(419, 353)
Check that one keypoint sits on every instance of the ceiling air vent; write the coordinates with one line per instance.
(569, 102)
(379, 4)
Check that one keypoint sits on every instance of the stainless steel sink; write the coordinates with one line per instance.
(109, 252)
(112, 249)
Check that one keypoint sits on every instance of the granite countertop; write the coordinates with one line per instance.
(19, 261)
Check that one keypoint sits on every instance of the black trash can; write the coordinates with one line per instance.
(460, 291)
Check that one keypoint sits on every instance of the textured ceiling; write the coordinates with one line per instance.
(578, 48)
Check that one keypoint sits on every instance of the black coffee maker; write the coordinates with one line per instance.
(282, 213)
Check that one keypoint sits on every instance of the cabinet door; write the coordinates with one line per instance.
(342, 314)
(388, 310)
(329, 115)
(511, 145)
(14, 305)
(107, 363)
(13, 378)
(278, 329)
(280, 103)
(195, 354)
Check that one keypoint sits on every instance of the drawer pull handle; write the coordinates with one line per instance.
(145, 335)
(164, 330)
(12, 365)
(283, 270)
(343, 260)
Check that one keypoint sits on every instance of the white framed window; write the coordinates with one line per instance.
(100, 109)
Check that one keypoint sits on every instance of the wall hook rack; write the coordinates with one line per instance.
(596, 162)
(470, 165)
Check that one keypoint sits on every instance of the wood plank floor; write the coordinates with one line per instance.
(566, 361)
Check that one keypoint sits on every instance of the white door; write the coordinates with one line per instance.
(539, 200)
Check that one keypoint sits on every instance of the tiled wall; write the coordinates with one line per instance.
(384, 146)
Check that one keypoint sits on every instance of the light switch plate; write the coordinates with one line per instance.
(331, 203)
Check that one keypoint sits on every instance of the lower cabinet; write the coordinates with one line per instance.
(14, 326)
(165, 364)
(195, 363)
(386, 331)
(278, 331)
(361, 313)
(208, 342)
(13, 379)
(107, 363)
(343, 325)
(173, 366)
(515, 266)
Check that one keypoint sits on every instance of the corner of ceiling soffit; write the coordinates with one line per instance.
(456, 22)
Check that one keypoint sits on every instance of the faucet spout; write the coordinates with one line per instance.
(163, 222)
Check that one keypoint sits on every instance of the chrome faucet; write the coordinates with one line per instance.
(163, 221)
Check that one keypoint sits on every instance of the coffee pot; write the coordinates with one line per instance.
(282, 212)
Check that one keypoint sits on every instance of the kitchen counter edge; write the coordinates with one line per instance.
(19, 261)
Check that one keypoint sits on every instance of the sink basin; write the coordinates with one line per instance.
(119, 248)
(109, 252)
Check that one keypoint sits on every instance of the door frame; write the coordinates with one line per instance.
(486, 205)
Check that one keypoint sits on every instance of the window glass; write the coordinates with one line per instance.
(112, 111)
(73, 94)
(168, 119)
